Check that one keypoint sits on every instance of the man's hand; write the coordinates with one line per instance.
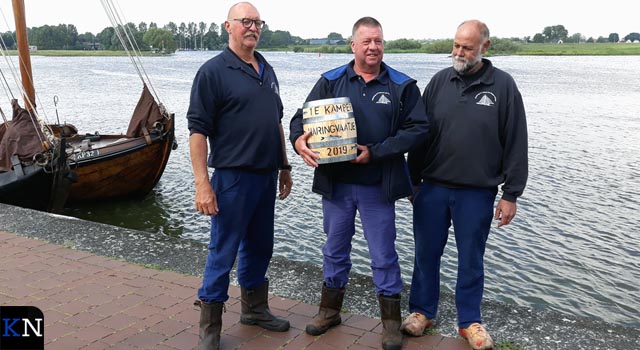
(303, 150)
(206, 201)
(364, 157)
(505, 212)
(284, 184)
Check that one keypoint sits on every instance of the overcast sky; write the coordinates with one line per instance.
(411, 19)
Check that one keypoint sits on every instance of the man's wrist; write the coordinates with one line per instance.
(286, 167)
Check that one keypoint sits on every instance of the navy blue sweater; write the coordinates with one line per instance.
(239, 111)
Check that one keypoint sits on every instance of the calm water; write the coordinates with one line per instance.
(574, 246)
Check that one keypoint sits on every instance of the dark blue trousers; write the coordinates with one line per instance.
(242, 228)
(434, 209)
(378, 224)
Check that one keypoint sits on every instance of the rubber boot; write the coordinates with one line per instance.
(390, 315)
(329, 313)
(210, 325)
(255, 309)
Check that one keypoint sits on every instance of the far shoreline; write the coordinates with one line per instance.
(529, 49)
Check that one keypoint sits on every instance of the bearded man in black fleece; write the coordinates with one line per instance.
(477, 141)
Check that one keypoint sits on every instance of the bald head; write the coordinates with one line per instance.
(476, 26)
(242, 39)
(237, 10)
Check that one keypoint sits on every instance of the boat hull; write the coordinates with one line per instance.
(33, 187)
(119, 167)
(32, 190)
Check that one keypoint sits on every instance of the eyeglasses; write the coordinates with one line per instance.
(247, 22)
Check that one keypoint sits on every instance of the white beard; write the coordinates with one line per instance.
(463, 65)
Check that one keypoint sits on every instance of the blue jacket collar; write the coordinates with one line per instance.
(386, 72)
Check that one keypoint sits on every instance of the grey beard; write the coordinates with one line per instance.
(464, 66)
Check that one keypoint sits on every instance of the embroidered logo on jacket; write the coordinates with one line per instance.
(274, 86)
(381, 98)
(486, 98)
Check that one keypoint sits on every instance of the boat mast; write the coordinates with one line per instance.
(23, 53)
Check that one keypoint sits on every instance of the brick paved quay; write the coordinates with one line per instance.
(93, 302)
(146, 283)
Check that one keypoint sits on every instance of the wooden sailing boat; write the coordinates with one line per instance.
(130, 165)
(120, 166)
(116, 166)
(33, 169)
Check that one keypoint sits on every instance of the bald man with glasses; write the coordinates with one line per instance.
(236, 107)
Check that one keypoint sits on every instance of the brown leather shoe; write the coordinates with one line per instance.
(210, 325)
(255, 309)
(329, 312)
(390, 315)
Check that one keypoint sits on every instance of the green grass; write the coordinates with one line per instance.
(69, 53)
(500, 47)
(583, 49)
(69, 244)
(430, 331)
(151, 266)
(507, 345)
(87, 53)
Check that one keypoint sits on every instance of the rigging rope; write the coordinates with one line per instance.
(36, 120)
(5, 85)
(4, 49)
(4, 117)
(130, 45)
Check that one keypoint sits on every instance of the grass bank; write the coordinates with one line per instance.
(583, 49)
(92, 53)
(499, 47)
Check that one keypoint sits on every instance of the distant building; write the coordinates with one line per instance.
(318, 41)
(92, 46)
(326, 42)
(33, 48)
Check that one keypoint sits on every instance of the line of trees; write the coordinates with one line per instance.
(557, 33)
(203, 36)
(169, 38)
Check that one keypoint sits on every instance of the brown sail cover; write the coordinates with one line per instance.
(19, 136)
(146, 114)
